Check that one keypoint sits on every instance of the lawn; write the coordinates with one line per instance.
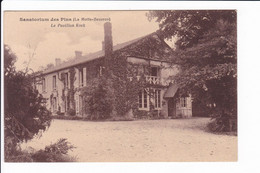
(141, 140)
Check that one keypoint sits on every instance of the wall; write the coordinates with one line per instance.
(184, 112)
(49, 91)
(131, 65)
(124, 64)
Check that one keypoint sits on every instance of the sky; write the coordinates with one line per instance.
(44, 43)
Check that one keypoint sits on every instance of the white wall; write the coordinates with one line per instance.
(49, 89)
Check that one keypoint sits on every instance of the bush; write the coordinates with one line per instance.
(99, 99)
(19, 156)
(61, 117)
(55, 152)
(71, 112)
(223, 123)
(59, 112)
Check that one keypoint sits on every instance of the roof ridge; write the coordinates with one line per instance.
(97, 54)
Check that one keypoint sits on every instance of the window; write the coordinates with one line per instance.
(43, 85)
(143, 99)
(183, 101)
(101, 70)
(154, 71)
(77, 104)
(140, 70)
(81, 77)
(54, 104)
(66, 104)
(66, 80)
(140, 99)
(88, 75)
(80, 104)
(44, 101)
(54, 82)
(157, 99)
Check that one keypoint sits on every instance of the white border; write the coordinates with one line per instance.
(248, 89)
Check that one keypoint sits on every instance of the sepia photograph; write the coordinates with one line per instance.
(120, 86)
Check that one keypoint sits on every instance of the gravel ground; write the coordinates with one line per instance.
(143, 141)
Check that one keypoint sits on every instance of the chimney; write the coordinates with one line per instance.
(108, 43)
(78, 54)
(57, 61)
(103, 46)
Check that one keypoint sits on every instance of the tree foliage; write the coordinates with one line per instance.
(25, 113)
(207, 57)
(189, 25)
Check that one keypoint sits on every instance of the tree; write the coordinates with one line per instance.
(189, 25)
(25, 113)
(207, 56)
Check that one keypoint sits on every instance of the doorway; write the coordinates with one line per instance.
(171, 107)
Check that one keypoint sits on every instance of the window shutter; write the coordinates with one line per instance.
(189, 102)
(84, 76)
(77, 104)
(77, 78)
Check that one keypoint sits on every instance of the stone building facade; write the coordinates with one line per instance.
(140, 68)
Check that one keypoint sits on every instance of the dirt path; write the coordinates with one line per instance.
(144, 140)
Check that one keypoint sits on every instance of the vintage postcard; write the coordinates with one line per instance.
(120, 86)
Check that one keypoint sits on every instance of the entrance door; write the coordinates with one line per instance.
(171, 107)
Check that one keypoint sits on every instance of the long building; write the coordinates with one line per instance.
(141, 69)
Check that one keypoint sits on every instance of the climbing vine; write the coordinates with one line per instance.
(62, 79)
(71, 91)
(123, 81)
(128, 82)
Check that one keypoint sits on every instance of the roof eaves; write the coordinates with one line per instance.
(100, 54)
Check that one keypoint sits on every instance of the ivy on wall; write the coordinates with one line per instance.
(126, 92)
(71, 90)
(51, 99)
(98, 98)
(122, 93)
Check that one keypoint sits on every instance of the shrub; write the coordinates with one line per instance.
(99, 98)
(71, 112)
(223, 123)
(59, 111)
(61, 117)
(19, 156)
(56, 152)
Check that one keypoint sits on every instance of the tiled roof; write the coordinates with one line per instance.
(91, 56)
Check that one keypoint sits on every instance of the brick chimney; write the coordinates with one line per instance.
(57, 61)
(78, 54)
(103, 46)
(108, 42)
